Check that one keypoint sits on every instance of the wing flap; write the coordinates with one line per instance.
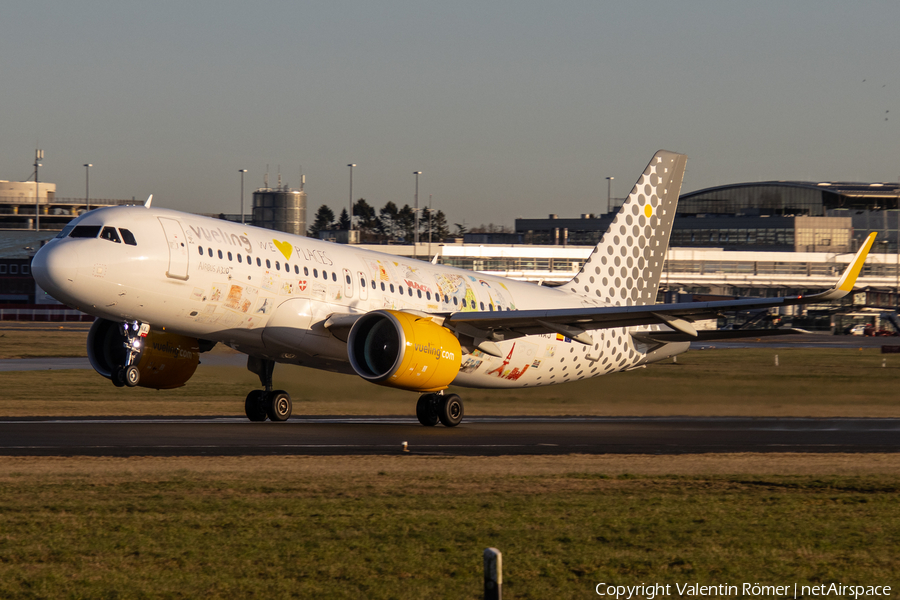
(535, 322)
(710, 335)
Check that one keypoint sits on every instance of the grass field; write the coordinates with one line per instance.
(409, 527)
(60, 340)
(814, 382)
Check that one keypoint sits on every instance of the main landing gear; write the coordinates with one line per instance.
(268, 403)
(432, 408)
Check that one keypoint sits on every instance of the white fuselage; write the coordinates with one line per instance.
(226, 282)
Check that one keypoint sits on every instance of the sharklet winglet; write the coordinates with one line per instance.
(149, 201)
(848, 279)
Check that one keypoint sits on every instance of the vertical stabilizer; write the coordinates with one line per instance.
(625, 267)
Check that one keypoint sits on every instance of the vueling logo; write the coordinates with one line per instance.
(434, 351)
(173, 351)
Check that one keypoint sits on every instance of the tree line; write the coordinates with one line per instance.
(389, 224)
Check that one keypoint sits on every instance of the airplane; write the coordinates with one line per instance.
(166, 286)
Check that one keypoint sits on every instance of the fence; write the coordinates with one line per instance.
(43, 314)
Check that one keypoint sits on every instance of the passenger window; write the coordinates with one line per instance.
(268, 264)
(277, 266)
(382, 286)
(333, 276)
(296, 270)
(229, 257)
(392, 288)
(348, 278)
(200, 248)
(373, 284)
(446, 299)
(428, 295)
(85, 231)
(455, 301)
(400, 289)
(491, 307)
(110, 233)
(315, 272)
(128, 238)
(362, 282)
(220, 254)
(419, 293)
(258, 264)
(209, 251)
(240, 258)
(306, 271)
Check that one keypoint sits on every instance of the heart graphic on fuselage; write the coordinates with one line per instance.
(284, 247)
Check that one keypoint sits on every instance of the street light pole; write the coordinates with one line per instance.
(416, 209)
(242, 171)
(350, 214)
(609, 194)
(87, 186)
(429, 225)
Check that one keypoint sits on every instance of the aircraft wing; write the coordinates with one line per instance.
(574, 322)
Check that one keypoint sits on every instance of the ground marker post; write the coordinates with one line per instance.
(493, 574)
(776, 360)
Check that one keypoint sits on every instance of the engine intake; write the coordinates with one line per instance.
(402, 350)
(167, 360)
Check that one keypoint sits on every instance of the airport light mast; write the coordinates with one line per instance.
(87, 186)
(416, 210)
(242, 171)
(350, 214)
(38, 156)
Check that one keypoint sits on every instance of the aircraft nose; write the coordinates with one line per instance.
(54, 268)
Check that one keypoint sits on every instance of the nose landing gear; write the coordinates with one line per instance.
(128, 373)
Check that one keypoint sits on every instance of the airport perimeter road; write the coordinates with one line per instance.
(486, 436)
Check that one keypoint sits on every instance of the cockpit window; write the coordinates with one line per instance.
(128, 237)
(85, 231)
(110, 233)
(66, 231)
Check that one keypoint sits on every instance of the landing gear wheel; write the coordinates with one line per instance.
(118, 377)
(426, 410)
(278, 405)
(254, 407)
(450, 410)
(132, 376)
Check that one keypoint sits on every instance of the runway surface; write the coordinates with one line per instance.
(485, 436)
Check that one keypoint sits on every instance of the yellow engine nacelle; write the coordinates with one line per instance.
(167, 360)
(402, 350)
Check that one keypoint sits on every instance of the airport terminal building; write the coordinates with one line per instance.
(779, 216)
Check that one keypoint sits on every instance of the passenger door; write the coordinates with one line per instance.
(178, 252)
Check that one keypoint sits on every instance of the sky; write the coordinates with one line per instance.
(508, 108)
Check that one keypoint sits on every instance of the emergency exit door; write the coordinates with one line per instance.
(178, 251)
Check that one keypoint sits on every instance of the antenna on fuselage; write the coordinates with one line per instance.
(149, 200)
